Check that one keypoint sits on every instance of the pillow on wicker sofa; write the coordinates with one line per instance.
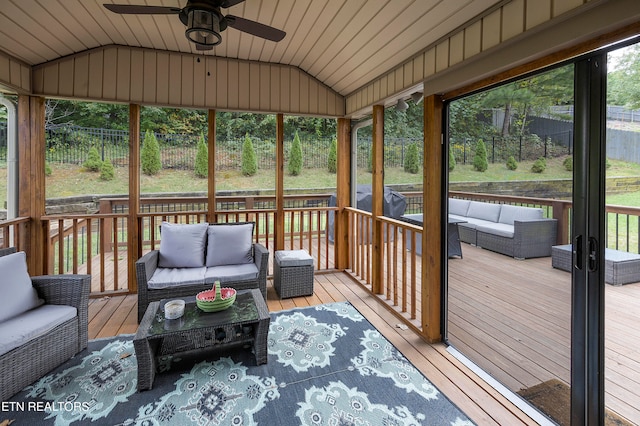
(182, 245)
(230, 243)
(18, 294)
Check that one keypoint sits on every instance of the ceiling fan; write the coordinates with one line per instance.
(204, 21)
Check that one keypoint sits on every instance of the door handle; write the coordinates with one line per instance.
(577, 252)
(593, 254)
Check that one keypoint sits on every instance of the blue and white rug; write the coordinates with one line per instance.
(327, 365)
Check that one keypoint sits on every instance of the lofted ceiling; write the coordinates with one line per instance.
(342, 43)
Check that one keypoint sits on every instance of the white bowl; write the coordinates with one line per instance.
(174, 309)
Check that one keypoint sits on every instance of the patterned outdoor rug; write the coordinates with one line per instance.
(327, 366)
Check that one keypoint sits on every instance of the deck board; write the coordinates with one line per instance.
(512, 317)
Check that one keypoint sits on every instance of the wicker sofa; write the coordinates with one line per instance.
(192, 257)
(43, 321)
(517, 231)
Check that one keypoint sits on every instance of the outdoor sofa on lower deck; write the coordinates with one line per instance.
(193, 256)
(517, 231)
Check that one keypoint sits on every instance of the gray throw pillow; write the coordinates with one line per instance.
(230, 244)
(182, 245)
(18, 294)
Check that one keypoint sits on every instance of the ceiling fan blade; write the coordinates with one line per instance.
(228, 3)
(127, 9)
(255, 28)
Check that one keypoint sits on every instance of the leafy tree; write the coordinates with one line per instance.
(94, 161)
(249, 161)
(539, 165)
(452, 161)
(107, 172)
(512, 164)
(202, 159)
(332, 162)
(412, 159)
(295, 157)
(623, 83)
(150, 154)
(480, 162)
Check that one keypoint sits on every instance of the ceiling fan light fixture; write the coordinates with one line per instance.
(203, 27)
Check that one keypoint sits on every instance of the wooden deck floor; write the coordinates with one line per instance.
(511, 317)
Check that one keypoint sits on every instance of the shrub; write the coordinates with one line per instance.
(512, 164)
(202, 159)
(47, 169)
(452, 160)
(93, 162)
(332, 162)
(539, 165)
(412, 159)
(150, 154)
(107, 172)
(568, 164)
(608, 164)
(480, 158)
(295, 157)
(249, 161)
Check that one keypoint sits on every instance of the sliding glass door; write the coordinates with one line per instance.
(526, 189)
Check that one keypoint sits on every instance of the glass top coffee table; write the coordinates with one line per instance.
(245, 322)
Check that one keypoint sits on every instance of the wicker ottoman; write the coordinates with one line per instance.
(620, 267)
(293, 273)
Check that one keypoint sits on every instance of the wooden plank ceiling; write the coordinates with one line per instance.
(343, 43)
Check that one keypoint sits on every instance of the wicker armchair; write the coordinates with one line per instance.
(32, 360)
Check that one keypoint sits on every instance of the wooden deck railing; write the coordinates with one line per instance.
(74, 240)
(96, 244)
(10, 231)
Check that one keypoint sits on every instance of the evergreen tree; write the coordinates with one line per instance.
(295, 157)
(202, 159)
(412, 159)
(150, 154)
(93, 162)
(512, 164)
(249, 160)
(107, 172)
(480, 162)
(332, 162)
(452, 161)
(539, 165)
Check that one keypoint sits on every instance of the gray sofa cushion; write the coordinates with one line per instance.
(231, 273)
(32, 324)
(230, 244)
(508, 214)
(500, 229)
(173, 277)
(484, 211)
(18, 294)
(458, 207)
(182, 245)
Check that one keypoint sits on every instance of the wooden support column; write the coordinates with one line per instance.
(434, 223)
(279, 221)
(134, 239)
(377, 208)
(31, 187)
(212, 214)
(343, 195)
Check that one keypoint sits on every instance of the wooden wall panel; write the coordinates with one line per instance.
(137, 76)
(485, 33)
(513, 19)
(147, 77)
(109, 75)
(15, 75)
(96, 64)
(150, 76)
